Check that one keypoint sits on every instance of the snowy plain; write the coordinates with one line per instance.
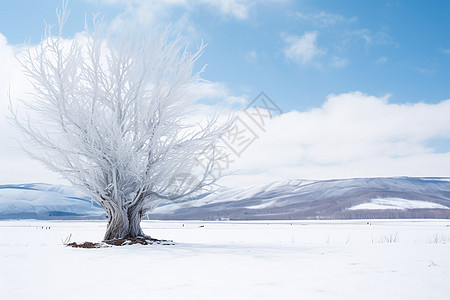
(357, 259)
(396, 203)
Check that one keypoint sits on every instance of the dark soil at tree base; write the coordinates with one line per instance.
(121, 242)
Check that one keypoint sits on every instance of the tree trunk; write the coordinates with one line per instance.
(124, 223)
(134, 217)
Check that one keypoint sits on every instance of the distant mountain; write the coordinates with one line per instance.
(394, 197)
(44, 201)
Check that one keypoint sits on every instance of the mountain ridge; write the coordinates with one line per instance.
(318, 199)
(352, 198)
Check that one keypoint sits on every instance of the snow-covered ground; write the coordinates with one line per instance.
(396, 203)
(375, 259)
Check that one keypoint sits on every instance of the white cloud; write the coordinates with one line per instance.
(216, 91)
(351, 135)
(302, 49)
(178, 15)
(155, 16)
(339, 62)
(15, 166)
(324, 19)
(157, 9)
(235, 8)
(12, 82)
(381, 37)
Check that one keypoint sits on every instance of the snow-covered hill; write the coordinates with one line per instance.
(398, 197)
(44, 201)
(394, 197)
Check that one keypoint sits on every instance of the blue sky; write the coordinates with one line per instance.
(401, 48)
(364, 85)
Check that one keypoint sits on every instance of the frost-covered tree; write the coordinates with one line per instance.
(109, 113)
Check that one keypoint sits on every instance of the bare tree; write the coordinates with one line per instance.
(109, 114)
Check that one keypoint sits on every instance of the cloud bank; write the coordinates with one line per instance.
(351, 135)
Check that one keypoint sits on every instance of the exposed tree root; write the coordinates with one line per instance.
(121, 242)
(86, 245)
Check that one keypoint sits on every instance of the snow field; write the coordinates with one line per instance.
(364, 259)
(397, 203)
